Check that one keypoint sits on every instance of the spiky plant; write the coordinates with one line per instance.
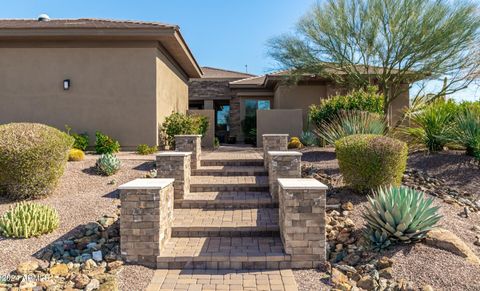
(108, 164)
(26, 219)
(402, 213)
(349, 123)
(467, 130)
(308, 138)
(379, 240)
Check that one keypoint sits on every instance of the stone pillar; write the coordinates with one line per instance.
(176, 165)
(146, 219)
(282, 165)
(273, 142)
(190, 143)
(302, 221)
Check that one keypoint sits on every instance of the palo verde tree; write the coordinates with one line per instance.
(385, 42)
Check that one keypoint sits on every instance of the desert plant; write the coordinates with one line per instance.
(295, 143)
(81, 140)
(76, 155)
(349, 123)
(369, 161)
(466, 130)
(178, 123)
(105, 144)
(379, 240)
(359, 100)
(308, 139)
(108, 164)
(144, 149)
(32, 159)
(402, 213)
(26, 219)
(432, 126)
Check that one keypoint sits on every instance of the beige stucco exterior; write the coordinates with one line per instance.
(122, 88)
(278, 121)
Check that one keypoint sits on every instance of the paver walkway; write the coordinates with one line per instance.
(225, 234)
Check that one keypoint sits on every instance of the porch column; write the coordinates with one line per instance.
(283, 164)
(273, 142)
(175, 165)
(190, 143)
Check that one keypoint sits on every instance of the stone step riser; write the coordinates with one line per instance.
(232, 163)
(215, 204)
(206, 264)
(228, 188)
(233, 232)
(201, 172)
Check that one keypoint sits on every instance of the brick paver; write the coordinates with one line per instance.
(182, 279)
(225, 200)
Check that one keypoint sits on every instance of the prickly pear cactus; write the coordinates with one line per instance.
(108, 164)
(26, 219)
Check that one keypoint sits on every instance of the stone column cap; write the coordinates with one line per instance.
(275, 134)
(301, 184)
(188, 135)
(146, 183)
(284, 153)
(173, 154)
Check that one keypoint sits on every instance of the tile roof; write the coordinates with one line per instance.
(210, 72)
(80, 23)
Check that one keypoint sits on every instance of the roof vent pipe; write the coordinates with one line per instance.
(43, 17)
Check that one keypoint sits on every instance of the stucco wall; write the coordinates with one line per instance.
(281, 121)
(208, 140)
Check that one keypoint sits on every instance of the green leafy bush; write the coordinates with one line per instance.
(105, 144)
(81, 140)
(308, 139)
(361, 100)
(178, 123)
(76, 155)
(466, 130)
(32, 159)
(369, 161)
(349, 123)
(27, 219)
(295, 143)
(400, 214)
(432, 126)
(144, 149)
(108, 164)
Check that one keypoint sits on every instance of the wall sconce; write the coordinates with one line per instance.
(66, 84)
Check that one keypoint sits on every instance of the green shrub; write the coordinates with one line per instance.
(105, 144)
(400, 214)
(467, 130)
(370, 161)
(32, 159)
(432, 126)
(27, 219)
(216, 143)
(108, 164)
(349, 123)
(144, 149)
(295, 143)
(178, 123)
(81, 140)
(362, 100)
(308, 139)
(76, 155)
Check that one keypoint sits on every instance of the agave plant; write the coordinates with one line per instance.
(402, 213)
(467, 130)
(349, 123)
(108, 164)
(378, 239)
(308, 138)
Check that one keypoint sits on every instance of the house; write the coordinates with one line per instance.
(118, 77)
(266, 104)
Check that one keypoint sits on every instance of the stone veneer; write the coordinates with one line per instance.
(190, 143)
(282, 164)
(146, 219)
(176, 165)
(302, 221)
(273, 142)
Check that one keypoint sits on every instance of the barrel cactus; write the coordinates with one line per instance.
(402, 213)
(108, 164)
(27, 219)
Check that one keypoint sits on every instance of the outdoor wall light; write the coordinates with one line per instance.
(66, 84)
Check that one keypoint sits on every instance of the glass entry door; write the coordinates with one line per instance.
(249, 122)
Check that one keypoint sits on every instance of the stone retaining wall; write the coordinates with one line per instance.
(190, 143)
(175, 165)
(273, 142)
(282, 164)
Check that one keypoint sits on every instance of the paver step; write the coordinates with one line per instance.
(235, 253)
(230, 171)
(226, 200)
(226, 222)
(229, 183)
(248, 162)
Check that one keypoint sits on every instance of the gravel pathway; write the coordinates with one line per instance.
(81, 197)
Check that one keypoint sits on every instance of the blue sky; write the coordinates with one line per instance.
(221, 33)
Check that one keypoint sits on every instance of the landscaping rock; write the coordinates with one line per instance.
(384, 262)
(338, 277)
(386, 273)
(27, 267)
(93, 285)
(81, 281)
(446, 240)
(367, 283)
(59, 270)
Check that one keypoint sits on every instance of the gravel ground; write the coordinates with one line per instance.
(418, 263)
(81, 197)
